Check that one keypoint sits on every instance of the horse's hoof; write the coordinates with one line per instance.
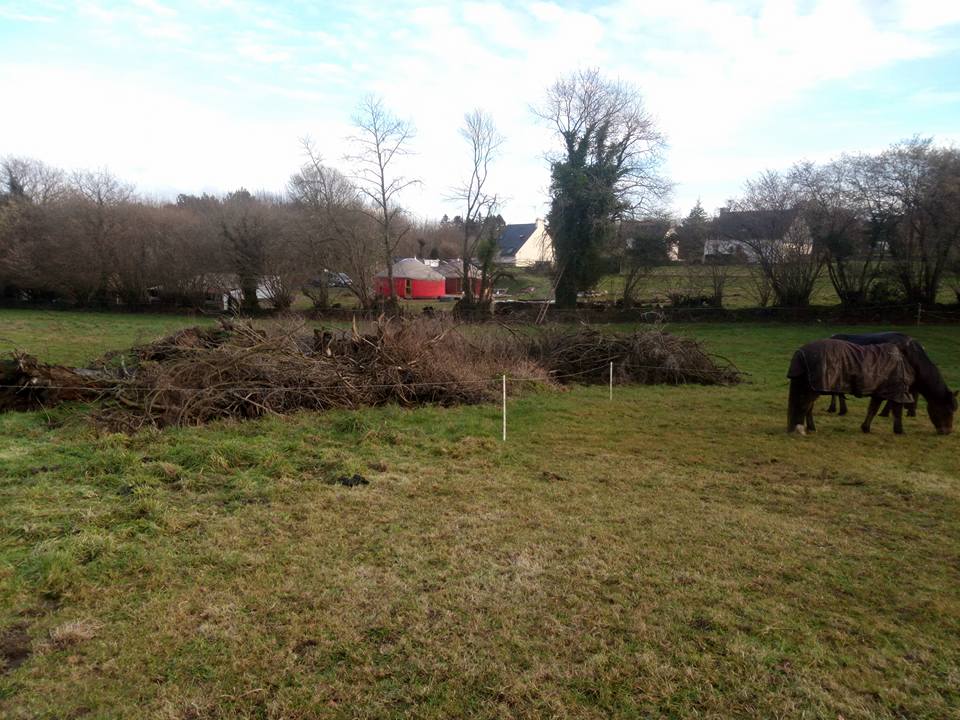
(799, 430)
(898, 431)
(842, 413)
(865, 429)
(831, 410)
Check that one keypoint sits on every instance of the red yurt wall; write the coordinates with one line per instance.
(411, 288)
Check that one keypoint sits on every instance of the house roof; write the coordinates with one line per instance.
(754, 224)
(514, 236)
(653, 228)
(413, 269)
(454, 269)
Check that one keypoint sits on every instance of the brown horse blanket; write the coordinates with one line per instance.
(838, 366)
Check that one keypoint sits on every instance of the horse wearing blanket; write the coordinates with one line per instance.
(878, 338)
(882, 372)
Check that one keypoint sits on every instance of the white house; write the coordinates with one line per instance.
(740, 234)
(525, 244)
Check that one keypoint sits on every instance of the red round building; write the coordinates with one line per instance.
(413, 280)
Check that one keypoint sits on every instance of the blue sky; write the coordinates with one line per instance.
(216, 94)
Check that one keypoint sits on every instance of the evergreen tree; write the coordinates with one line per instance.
(692, 233)
(607, 170)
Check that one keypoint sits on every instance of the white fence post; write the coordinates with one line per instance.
(611, 379)
(504, 408)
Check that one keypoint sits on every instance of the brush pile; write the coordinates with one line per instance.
(242, 370)
(650, 357)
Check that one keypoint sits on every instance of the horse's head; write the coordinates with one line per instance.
(941, 412)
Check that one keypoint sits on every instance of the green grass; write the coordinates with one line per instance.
(739, 292)
(672, 553)
(75, 338)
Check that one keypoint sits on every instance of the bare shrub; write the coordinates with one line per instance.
(761, 287)
(643, 357)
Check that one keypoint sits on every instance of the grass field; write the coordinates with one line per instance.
(672, 553)
(76, 338)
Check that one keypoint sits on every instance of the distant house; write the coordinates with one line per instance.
(412, 279)
(525, 244)
(738, 234)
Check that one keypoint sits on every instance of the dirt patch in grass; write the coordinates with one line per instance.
(15, 647)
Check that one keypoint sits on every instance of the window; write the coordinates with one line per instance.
(409, 288)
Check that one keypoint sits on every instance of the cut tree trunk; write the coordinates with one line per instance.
(28, 384)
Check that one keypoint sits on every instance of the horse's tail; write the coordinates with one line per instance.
(795, 415)
(798, 365)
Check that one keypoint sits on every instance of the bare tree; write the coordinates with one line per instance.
(759, 283)
(27, 190)
(916, 191)
(137, 253)
(243, 227)
(484, 141)
(706, 282)
(91, 222)
(769, 220)
(32, 180)
(642, 245)
(191, 252)
(832, 202)
(381, 141)
(343, 227)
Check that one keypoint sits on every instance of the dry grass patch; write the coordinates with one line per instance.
(73, 633)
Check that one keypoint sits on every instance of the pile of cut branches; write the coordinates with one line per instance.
(649, 357)
(240, 369)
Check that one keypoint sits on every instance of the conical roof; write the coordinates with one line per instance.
(413, 269)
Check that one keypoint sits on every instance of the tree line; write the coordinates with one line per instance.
(88, 239)
(882, 226)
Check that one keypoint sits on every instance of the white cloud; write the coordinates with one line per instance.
(925, 15)
(715, 74)
(12, 13)
(155, 7)
(152, 137)
(262, 53)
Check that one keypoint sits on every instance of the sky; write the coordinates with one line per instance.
(211, 95)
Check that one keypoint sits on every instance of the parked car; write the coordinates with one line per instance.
(339, 280)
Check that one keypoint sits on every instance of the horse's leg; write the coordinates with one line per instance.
(833, 403)
(871, 411)
(912, 408)
(898, 418)
(886, 410)
(809, 417)
(843, 404)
